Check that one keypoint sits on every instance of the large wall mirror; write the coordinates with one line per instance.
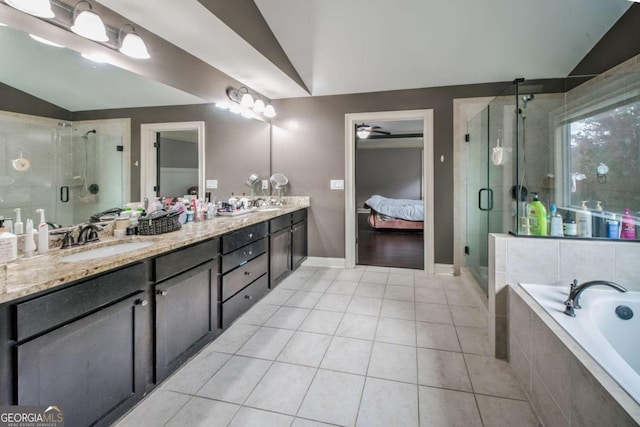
(77, 124)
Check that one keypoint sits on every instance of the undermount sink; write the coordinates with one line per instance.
(268, 209)
(105, 251)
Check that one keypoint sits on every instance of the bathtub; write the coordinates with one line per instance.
(612, 342)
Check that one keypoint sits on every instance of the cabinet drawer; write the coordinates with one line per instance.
(243, 300)
(238, 239)
(243, 255)
(300, 215)
(279, 223)
(241, 277)
(46, 312)
(185, 258)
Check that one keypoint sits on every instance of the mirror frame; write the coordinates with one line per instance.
(148, 158)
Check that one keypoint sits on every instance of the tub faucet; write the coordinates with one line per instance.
(573, 300)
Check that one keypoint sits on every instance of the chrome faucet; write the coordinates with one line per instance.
(88, 233)
(572, 302)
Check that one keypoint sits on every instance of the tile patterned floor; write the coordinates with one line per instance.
(368, 347)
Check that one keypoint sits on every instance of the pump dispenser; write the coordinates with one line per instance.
(598, 221)
(583, 220)
(556, 222)
(18, 227)
(29, 243)
(8, 244)
(628, 226)
(537, 217)
(43, 233)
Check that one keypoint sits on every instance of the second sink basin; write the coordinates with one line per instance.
(105, 251)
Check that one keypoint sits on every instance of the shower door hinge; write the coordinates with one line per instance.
(119, 147)
(156, 144)
(467, 137)
(156, 188)
(466, 250)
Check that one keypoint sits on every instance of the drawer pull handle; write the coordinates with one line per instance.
(248, 253)
(247, 273)
(248, 297)
(162, 293)
(142, 302)
(251, 235)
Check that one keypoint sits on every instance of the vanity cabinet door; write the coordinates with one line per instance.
(280, 253)
(186, 316)
(92, 368)
(298, 244)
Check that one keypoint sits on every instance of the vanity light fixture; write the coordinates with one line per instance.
(269, 111)
(132, 44)
(243, 98)
(44, 41)
(88, 24)
(39, 8)
(259, 106)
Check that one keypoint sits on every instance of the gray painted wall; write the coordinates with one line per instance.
(389, 172)
(178, 154)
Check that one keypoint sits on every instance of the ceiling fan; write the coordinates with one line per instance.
(363, 131)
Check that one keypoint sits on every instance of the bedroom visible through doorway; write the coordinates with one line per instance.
(389, 194)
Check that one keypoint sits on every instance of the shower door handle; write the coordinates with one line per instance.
(490, 199)
(64, 194)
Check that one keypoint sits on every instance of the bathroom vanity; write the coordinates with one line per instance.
(93, 337)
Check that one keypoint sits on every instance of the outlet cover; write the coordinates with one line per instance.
(265, 184)
(212, 184)
(337, 184)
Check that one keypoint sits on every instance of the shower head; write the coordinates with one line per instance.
(527, 98)
(86, 135)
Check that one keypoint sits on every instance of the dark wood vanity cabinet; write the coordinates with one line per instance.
(85, 348)
(287, 245)
(186, 315)
(299, 238)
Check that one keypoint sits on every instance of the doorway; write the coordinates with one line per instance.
(150, 175)
(425, 119)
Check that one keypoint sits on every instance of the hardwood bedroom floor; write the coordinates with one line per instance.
(389, 248)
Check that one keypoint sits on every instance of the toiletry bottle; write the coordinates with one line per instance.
(537, 217)
(583, 220)
(29, 243)
(569, 226)
(43, 233)
(18, 227)
(628, 226)
(556, 222)
(598, 221)
(8, 244)
(613, 228)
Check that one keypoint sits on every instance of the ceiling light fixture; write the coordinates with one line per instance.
(39, 8)
(243, 97)
(88, 24)
(132, 44)
(44, 41)
(363, 131)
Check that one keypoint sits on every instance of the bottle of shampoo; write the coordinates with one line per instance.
(628, 226)
(8, 244)
(537, 217)
(613, 228)
(43, 233)
(598, 221)
(555, 228)
(569, 226)
(583, 220)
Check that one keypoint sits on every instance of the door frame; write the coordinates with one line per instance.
(350, 180)
(148, 169)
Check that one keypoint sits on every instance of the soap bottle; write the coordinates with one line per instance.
(556, 222)
(569, 226)
(29, 243)
(18, 227)
(628, 226)
(583, 220)
(613, 228)
(43, 233)
(537, 217)
(8, 244)
(598, 221)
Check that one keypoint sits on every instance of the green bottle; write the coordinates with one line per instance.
(537, 217)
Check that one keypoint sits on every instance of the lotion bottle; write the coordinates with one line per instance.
(583, 220)
(43, 233)
(18, 227)
(29, 243)
(613, 228)
(628, 226)
(8, 244)
(569, 226)
(556, 222)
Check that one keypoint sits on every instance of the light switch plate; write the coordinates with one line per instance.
(212, 184)
(337, 184)
(265, 184)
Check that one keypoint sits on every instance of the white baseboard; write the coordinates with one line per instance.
(313, 261)
(443, 269)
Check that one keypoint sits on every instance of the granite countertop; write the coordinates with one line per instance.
(27, 276)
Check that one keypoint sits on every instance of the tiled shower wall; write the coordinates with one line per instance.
(550, 261)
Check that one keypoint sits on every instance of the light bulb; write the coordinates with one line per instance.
(134, 47)
(247, 100)
(89, 25)
(39, 8)
(259, 106)
(269, 111)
